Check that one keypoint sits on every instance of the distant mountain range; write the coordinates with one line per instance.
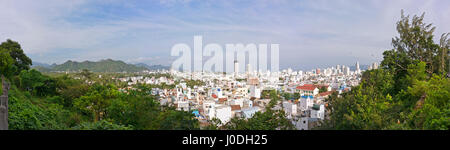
(107, 65)
(153, 67)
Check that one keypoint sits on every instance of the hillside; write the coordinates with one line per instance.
(107, 65)
(153, 67)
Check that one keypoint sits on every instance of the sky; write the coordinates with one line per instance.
(311, 33)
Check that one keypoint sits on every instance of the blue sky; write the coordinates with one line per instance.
(311, 33)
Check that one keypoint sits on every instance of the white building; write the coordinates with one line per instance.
(239, 102)
(306, 123)
(183, 105)
(306, 102)
(223, 113)
(307, 90)
(290, 108)
(209, 108)
(302, 124)
(318, 111)
(255, 91)
(249, 112)
(236, 67)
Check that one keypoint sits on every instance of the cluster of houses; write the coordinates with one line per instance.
(224, 96)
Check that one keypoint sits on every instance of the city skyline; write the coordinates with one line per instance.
(320, 33)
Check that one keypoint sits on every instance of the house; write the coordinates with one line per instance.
(247, 103)
(249, 112)
(223, 113)
(262, 102)
(239, 102)
(235, 109)
(325, 94)
(183, 105)
(255, 91)
(318, 111)
(306, 102)
(306, 123)
(290, 108)
(307, 89)
(209, 109)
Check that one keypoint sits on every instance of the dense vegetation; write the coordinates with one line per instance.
(38, 101)
(411, 90)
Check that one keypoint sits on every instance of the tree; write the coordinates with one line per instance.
(36, 83)
(136, 109)
(86, 74)
(21, 61)
(6, 63)
(101, 125)
(70, 89)
(415, 42)
(97, 100)
(171, 119)
(408, 92)
(323, 89)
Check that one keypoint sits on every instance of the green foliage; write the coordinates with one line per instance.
(135, 109)
(6, 63)
(24, 115)
(171, 119)
(408, 92)
(70, 89)
(36, 83)
(323, 89)
(58, 101)
(192, 83)
(432, 110)
(101, 125)
(85, 73)
(268, 120)
(97, 100)
(21, 61)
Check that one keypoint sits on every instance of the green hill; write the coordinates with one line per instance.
(107, 65)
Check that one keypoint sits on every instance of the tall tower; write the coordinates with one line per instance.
(358, 71)
(236, 67)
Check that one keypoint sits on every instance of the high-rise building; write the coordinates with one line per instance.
(338, 69)
(357, 71)
(236, 67)
(249, 68)
(318, 71)
(347, 69)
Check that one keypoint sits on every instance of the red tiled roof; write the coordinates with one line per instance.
(214, 95)
(308, 87)
(326, 93)
(235, 107)
(253, 81)
(221, 100)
